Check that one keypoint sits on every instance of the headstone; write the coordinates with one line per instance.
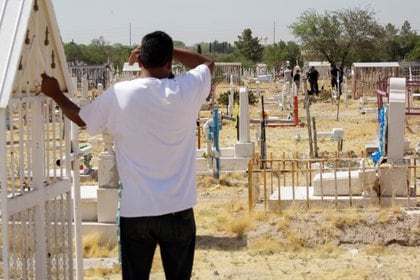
(245, 148)
(107, 168)
(231, 97)
(84, 100)
(393, 174)
(244, 136)
(108, 179)
(396, 119)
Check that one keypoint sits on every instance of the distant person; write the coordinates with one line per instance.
(281, 73)
(152, 120)
(288, 75)
(336, 78)
(296, 79)
(313, 76)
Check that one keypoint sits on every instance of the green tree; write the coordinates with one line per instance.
(276, 55)
(414, 54)
(362, 35)
(74, 52)
(408, 40)
(339, 37)
(249, 47)
(293, 51)
(179, 44)
(400, 43)
(120, 55)
(97, 52)
(221, 47)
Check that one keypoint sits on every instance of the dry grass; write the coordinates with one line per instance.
(239, 225)
(415, 230)
(376, 249)
(94, 247)
(383, 216)
(101, 273)
(341, 219)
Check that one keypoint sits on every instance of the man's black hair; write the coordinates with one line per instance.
(156, 49)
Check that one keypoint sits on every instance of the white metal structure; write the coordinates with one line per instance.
(37, 209)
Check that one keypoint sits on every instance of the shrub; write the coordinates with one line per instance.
(223, 98)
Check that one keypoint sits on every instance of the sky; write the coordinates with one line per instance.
(194, 21)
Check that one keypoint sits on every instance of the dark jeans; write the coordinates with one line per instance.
(175, 234)
(314, 87)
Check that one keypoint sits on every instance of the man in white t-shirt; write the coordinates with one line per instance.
(152, 120)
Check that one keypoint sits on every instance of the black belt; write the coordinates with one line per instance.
(180, 212)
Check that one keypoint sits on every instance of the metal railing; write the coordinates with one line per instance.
(335, 182)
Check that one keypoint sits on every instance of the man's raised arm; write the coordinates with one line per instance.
(192, 59)
(50, 88)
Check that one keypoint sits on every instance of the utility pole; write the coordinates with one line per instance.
(274, 32)
(130, 33)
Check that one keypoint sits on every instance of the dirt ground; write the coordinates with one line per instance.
(233, 243)
(294, 244)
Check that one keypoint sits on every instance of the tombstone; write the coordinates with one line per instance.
(258, 91)
(108, 179)
(393, 174)
(231, 97)
(245, 148)
(396, 119)
(99, 90)
(84, 100)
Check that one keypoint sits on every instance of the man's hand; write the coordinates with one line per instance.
(50, 86)
(134, 56)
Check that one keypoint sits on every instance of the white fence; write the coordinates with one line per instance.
(37, 206)
(36, 202)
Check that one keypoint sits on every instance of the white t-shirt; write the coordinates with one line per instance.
(153, 124)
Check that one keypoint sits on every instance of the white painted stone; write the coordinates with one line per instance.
(367, 178)
(244, 134)
(244, 149)
(107, 205)
(301, 200)
(357, 186)
(233, 163)
(227, 152)
(202, 164)
(229, 160)
(231, 97)
(107, 166)
(338, 133)
(393, 180)
(88, 203)
(371, 148)
(107, 171)
(396, 119)
(85, 88)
